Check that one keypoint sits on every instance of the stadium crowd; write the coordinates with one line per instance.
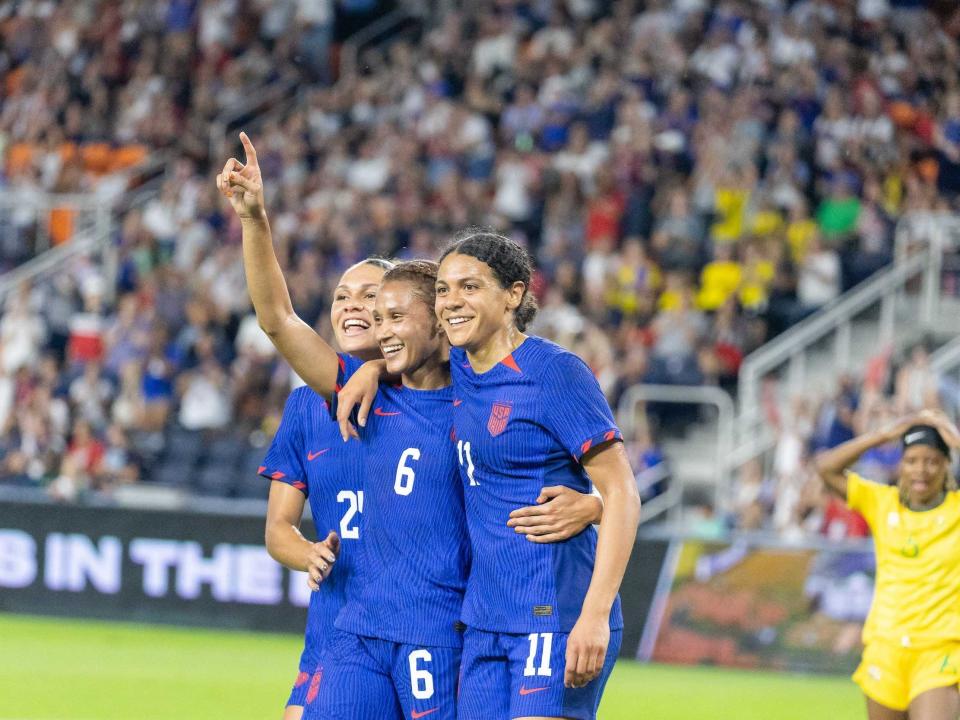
(691, 178)
(93, 90)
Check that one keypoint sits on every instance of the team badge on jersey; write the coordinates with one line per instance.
(499, 416)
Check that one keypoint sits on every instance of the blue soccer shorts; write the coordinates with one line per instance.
(505, 676)
(307, 670)
(372, 679)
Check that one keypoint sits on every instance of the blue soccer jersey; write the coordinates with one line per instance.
(308, 453)
(412, 568)
(522, 425)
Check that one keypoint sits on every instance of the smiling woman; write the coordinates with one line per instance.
(410, 339)
(407, 446)
(543, 620)
(483, 296)
(334, 486)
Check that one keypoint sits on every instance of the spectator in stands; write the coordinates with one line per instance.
(90, 394)
(916, 384)
(754, 497)
(819, 277)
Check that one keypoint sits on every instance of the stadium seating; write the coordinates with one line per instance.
(692, 179)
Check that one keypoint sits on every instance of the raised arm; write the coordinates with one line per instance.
(831, 465)
(308, 354)
(609, 470)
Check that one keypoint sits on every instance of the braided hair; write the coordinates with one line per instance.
(508, 261)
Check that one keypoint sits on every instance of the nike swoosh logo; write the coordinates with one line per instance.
(416, 715)
(913, 436)
(457, 403)
(314, 455)
(530, 691)
(383, 413)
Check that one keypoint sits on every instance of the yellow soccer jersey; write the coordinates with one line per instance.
(916, 602)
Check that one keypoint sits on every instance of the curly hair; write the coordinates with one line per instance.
(508, 262)
(421, 275)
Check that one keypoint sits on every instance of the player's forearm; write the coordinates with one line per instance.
(308, 354)
(287, 546)
(616, 536)
(265, 282)
(838, 459)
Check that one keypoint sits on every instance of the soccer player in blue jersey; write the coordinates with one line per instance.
(399, 649)
(307, 460)
(544, 621)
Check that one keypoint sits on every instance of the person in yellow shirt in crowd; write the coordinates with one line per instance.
(633, 284)
(719, 278)
(911, 657)
(757, 271)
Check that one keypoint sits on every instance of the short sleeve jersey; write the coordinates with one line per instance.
(308, 453)
(523, 425)
(412, 569)
(916, 602)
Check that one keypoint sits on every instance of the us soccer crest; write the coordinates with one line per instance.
(499, 416)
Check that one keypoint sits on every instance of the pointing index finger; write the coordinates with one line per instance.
(249, 150)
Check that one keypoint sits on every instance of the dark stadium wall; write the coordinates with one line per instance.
(161, 567)
(639, 590)
(186, 568)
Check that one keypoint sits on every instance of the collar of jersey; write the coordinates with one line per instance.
(518, 352)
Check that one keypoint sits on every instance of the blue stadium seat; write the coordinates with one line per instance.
(214, 480)
(183, 445)
(175, 473)
(249, 483)
(225, 450)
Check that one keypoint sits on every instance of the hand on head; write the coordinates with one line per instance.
(939, 420)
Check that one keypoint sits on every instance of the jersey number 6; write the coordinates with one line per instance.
(421, 681)
(403, 483)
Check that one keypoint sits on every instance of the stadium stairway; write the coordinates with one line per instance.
(693, 452)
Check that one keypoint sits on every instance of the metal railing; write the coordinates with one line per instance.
(32, 223)
(92, 234)
(912, 286)
(789, 351)
(946, 358)
(669, 503)
(921, 239)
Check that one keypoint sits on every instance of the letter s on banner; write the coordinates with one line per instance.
(18, 559)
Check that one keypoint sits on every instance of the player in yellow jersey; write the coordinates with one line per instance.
(911, 657)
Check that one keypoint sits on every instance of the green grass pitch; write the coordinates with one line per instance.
(54, 669)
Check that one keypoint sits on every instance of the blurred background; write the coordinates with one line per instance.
(743, 216)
